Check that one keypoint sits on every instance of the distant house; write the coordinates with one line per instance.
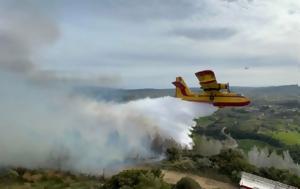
(250, 181)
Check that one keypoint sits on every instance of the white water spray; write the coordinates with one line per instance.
(170, 117)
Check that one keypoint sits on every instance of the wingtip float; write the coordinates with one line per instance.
(213, 92)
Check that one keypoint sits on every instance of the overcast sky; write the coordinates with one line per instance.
(147, 43)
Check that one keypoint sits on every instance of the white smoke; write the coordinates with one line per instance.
(46, 127)
(207, 146)
(262, 158)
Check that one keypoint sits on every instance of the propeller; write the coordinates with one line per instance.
(228, 88)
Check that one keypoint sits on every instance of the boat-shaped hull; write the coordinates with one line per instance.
(220, 100)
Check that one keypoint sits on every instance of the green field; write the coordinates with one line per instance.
(248, 144)
(288, 137)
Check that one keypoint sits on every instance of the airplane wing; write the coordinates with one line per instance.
(208, 80)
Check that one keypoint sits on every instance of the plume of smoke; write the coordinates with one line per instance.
(47, 128)
(262, 158)
(209, 146)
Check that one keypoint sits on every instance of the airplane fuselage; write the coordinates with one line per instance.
(219, 99)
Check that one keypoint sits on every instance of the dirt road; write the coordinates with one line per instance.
(173, 177)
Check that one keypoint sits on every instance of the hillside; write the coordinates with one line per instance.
(271, 121)
(257, 93)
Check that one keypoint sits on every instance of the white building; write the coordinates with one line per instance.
(250, 181)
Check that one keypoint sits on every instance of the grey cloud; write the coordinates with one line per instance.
(294, 11)
(14, 55)
(132, 10)
(231, 1)
(167, 9)
(133, 58)
(204, 33)
(167, 59)
(23, 30)
(73, 79)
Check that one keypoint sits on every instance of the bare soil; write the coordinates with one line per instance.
(173, 177)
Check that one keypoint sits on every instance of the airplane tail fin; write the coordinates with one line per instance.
(181, 88)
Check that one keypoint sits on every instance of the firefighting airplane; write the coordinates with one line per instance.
(213, 92)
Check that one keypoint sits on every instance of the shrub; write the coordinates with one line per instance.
(173, 154)
(137, 179)
(232, 162)
(187, 183)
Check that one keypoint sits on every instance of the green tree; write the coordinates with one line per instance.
(232, 162)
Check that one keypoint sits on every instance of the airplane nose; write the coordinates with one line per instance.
(247, 101)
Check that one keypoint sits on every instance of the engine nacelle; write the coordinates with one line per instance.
(223, 86)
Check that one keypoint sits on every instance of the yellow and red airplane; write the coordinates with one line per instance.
(213, 92)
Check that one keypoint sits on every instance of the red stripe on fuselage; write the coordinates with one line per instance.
(223, 104)
(222, 96)
(231, 103)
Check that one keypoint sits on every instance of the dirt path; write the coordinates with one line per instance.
(173, 176)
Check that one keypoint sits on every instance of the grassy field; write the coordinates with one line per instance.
(288, 137)
(272, 119)
(247, 144)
